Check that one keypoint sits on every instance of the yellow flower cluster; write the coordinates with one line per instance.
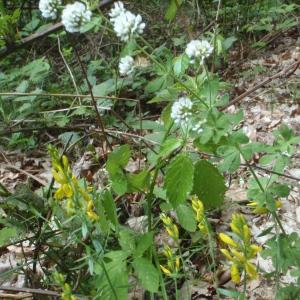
(170, 227)
(240, 252)
(260, 210)
(173, 261)
(69, 188)
(62, 173)
(67, 293)
(200, 216)
(66, 289)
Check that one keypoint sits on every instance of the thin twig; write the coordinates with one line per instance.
(65, 96)
(94, 102)
(29, 290)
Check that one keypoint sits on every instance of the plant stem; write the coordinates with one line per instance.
(150, 194)
(176, 289)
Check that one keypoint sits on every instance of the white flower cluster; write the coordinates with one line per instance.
(126, 65)
(116, 11)
(198, 127)
(181, 110)
(49, 8)
(200, 50)
(74, 16)
(125, 23)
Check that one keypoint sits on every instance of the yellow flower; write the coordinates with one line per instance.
(92, 216)
(238, 255)
(227, 240)
(255, 249)
(227, 254)
(235, 275)
(166, 220)
(68, 190)
(90, 212)
(262, 210)
(59, 194)
(65, 162)
(234, 228)
(246, 233)
(165, 270)
(251, 270)
(59, 176)
(173, 231)
(168, 252)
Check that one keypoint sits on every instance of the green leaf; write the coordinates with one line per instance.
(138, 182)
(6, 234)
(231, 157)
(186, 217)
(209, 184)
(144, 243)
(157, 84)
(179, 179)
(181, 64)
(127, 240)
(172, 9)
(118, 158)
(110, 207)
(170, 145)
(146, 273)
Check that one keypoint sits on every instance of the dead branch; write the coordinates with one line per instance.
(282, 74)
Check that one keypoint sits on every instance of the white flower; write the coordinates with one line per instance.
(49, 8)
(74, 16)
(198, 127)
(182, 110)
(128, 24)
(116, 11)
(197, 49)
(126, 65)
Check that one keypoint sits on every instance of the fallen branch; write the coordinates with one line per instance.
(29, 290)
(38, 35)
(284, 73)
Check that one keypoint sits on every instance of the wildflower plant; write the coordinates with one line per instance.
(240, 252)
(70, 190)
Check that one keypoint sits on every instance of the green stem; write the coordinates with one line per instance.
(156, 261)
(150, 194)
(176, 289)
(274, 214)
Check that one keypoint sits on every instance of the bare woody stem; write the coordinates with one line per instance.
(99, 118)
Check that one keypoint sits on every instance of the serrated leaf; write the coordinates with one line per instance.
(127, 240)
(169, 146)
(110, 207)
(143, 243)
(186, 218)
(146, 273)
(181, 64)
(179, 179)
(209, 184)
